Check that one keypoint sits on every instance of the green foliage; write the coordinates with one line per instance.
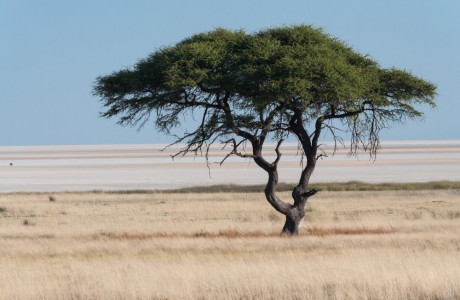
(270, 83)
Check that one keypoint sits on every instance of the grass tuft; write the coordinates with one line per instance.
(26, 222)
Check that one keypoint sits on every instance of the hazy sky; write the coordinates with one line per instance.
(52, 51)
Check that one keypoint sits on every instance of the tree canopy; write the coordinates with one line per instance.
(247, 87)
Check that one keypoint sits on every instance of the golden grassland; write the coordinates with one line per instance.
(353, 245)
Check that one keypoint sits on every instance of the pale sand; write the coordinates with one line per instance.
(127, 167)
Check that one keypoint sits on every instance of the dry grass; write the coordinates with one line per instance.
(353, 245)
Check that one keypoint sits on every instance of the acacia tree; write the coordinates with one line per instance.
(269, 85)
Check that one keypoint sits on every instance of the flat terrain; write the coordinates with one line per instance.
(353, 245)
(133, 167)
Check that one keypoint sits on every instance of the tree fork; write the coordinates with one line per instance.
(296, 214)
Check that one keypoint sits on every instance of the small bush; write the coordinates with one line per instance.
(2, 209)
(52, 198)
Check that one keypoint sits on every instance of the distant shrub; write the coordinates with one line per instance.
(52, 198)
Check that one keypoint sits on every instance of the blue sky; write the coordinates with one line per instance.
(52, 51)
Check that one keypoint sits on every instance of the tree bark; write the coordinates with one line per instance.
(272, 198)
(293, 219)
(296, 213)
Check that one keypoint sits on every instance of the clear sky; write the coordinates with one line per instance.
(51, 51)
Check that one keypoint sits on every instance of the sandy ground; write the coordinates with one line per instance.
(123, 167)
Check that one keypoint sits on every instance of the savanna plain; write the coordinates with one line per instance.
(353, 245)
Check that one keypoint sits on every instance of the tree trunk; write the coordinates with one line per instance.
(293, 219)
(296, 212)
